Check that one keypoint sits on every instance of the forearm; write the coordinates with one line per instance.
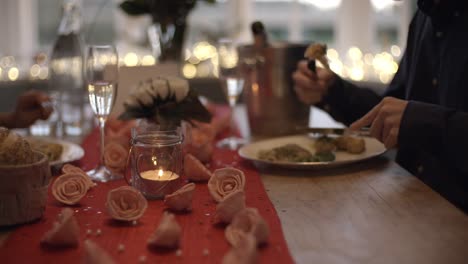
(6, 120)
(347, 102)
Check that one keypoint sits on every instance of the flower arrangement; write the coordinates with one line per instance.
(166, 102)
(171, 16)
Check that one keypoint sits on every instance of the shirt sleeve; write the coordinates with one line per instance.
(346, 102)
(437, 130)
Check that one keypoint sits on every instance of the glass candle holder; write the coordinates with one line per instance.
(156, 160)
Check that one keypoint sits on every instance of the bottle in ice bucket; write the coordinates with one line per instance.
(66, 83)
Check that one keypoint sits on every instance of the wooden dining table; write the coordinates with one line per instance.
(374, 211)
(369, 212)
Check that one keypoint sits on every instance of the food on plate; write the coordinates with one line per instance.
(296, 153)
(324, 145)
(355, 145)
(287, 153)
(350, 144)
(341, 142)
(14, 149)
(52, 150)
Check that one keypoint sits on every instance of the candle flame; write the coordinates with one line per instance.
(160, 173)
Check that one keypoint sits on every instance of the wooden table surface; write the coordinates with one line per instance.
(373, 212)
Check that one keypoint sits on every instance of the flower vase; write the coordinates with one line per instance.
(165, 44)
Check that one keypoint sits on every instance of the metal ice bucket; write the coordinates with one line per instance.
(273, 108)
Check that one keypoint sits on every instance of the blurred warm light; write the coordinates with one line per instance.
(7, 61)
(187, 54)
(103, 59)
(355, 53)
(337, 67)
(378, 62)
(131, 59)
(215, 60)
(13, 74)
(332, 54)
(41, 58)
(203, 70)
(323, 4)
(193, 60)
(228, 58)
(189, 71)
(380, 5)
(384, 77)
(368, 58)
(35, 70)
(113, 59)
(44, 73)
(1, 73)
(356, 73)
(395, 50)
(203, 50)
(148, 60)
(387, 56)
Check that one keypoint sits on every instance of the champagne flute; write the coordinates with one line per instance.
(232, 83)
(101, 69)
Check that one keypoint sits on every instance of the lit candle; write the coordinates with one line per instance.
(159, 175)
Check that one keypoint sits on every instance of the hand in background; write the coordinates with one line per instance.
(309, 86)
(385, 120)
(30, 106)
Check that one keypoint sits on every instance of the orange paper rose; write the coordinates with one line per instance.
(69, 188)
(225, 181)
(115, 157)
(126, 203)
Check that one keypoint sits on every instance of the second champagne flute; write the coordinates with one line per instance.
(232, 83)
(101, 69)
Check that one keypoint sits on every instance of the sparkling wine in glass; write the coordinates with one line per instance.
(232, 83)
(101, 71)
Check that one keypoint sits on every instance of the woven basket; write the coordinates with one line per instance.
(23, 191)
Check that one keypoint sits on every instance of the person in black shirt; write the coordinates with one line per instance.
(424, 111)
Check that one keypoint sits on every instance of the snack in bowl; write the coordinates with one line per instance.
(52, 150)
(23, 189)
(14, 149)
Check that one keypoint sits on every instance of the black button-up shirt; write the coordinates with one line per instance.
(433, 77)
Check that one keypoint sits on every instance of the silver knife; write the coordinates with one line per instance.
(333, 131)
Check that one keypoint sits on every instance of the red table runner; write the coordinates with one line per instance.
(201, 242)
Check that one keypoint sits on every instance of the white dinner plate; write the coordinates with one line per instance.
(70, 152)
(250, 152)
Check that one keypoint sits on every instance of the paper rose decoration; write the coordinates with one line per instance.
(125, 203)
(165, 101)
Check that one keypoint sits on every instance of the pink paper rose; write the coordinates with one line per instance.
(225, 181)
(126, 203)
(69, 188)
(115, 157)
